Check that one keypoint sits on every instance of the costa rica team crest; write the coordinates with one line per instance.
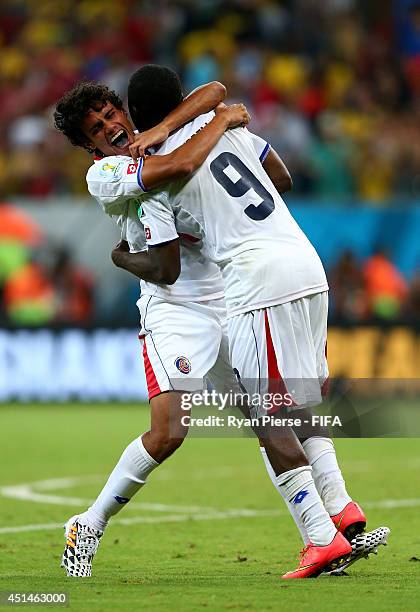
(183, 365)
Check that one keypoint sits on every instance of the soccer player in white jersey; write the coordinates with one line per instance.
(93, 117)
(189, 314)
(276, 297)
(200, 283)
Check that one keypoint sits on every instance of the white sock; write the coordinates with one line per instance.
(327, 475)
(298, 488)
(290, 507)
(127, 477)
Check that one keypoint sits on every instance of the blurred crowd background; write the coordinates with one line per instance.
(333, 86)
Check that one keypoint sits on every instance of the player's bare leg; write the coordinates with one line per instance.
(167, 432)
(84, 531)
(320, 452)
(293, 476)
(346, 514)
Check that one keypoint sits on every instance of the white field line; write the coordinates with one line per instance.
(392, 503)
(27, 492)
(168, 518)
(32, 491)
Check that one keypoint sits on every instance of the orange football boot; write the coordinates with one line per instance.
(350, 521)
(315, 559)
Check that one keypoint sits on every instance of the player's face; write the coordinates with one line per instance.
(108, 129)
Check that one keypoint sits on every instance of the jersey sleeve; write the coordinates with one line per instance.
(158, 220)
(114, 180)
(261, 147)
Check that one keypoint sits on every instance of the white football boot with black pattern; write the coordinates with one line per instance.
(81, 545)
(363, 545)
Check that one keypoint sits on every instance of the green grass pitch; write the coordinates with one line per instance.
(208, 532)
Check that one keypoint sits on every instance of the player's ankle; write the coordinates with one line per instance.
(93, 520)
(335, 500)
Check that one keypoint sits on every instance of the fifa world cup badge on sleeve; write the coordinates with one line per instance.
(110, 171)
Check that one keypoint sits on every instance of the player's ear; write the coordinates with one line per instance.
(90, 148)
(87, 144)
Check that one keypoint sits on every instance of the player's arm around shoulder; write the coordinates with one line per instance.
(158, 170)
(200, 101)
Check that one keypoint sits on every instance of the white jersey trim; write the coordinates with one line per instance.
(139, 179)
(265, 153)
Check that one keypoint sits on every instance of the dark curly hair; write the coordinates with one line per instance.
(72, 108)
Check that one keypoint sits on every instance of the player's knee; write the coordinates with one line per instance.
(170, 444)
(164, 445)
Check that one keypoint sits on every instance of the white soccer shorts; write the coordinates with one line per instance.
(282, 350)
(185, 345)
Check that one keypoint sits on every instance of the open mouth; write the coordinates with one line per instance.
(120, 139)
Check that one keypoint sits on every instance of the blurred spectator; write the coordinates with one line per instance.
(412, 307)
(73, 288)
(18, 233)
(348, 299)
(17, 225)
(331, 161)
(39, 283)
(29, 296)
(386, 289)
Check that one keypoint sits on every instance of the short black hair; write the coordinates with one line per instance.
(153, 92)
(72, 108)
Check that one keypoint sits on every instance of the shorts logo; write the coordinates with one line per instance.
(183, 365)
(132, 168)
(147, 233)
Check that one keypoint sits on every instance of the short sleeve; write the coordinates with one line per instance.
(158, 220)
(261, 147)
(114, 180)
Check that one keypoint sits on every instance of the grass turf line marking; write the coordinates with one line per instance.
(211, 516)
(27, 492)
(32, 491)
(174, 518)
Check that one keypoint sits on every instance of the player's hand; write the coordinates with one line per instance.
(121, 247)
(147, 139)
(236, 115)
(220, 108)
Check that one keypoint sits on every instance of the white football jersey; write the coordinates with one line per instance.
(115, 182)
(246, 228)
